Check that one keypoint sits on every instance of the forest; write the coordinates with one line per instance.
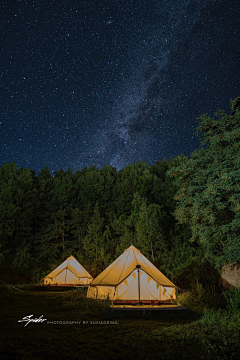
(182, 213)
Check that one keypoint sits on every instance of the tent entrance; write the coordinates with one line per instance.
(138, 286)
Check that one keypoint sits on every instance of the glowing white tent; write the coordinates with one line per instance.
(70, 272)
(132, 277)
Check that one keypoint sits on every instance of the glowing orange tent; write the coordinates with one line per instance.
(132, 277)
(70, 272)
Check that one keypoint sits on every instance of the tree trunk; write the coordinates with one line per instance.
(152, 251)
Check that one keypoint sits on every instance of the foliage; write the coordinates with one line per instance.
(93, 214)
(209, 187)
(233, 300)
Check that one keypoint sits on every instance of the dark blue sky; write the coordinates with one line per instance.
(112, 82)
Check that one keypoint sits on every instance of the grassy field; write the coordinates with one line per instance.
(214, 336)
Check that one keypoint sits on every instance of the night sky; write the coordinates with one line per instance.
(112, 82)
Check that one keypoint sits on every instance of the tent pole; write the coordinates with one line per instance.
(66, 276)
(113, 294)
(138, 266)
(138, 287)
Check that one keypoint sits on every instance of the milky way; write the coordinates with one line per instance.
(112, 82)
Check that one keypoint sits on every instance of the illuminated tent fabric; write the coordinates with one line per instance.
(70, 272)
(131, 277)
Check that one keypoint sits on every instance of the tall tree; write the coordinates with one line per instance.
(18, 202)
(94, 240)
(209, 187)
(149, 231)
(55, 236)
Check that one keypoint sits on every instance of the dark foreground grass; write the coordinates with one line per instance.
(214, 336)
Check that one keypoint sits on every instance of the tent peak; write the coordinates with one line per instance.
(133, 248)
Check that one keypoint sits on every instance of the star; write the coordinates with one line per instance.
(103, 83)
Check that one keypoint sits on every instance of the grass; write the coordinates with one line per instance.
(214, 336)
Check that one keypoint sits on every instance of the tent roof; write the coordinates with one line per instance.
(73, 265)
(124, 265)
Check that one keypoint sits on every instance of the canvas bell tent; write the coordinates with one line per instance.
(70, 272)
(132, 277)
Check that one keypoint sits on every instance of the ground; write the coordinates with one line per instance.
(97, 335)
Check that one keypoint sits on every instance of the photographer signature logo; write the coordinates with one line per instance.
(28, 319)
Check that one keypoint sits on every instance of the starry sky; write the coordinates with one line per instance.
(112, 82)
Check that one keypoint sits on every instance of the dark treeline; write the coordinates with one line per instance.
(92, 214)
(177, 212)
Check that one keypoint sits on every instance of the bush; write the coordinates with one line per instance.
(232, 299)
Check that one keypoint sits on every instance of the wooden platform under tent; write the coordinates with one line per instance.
(58, 288)
(153, 311)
